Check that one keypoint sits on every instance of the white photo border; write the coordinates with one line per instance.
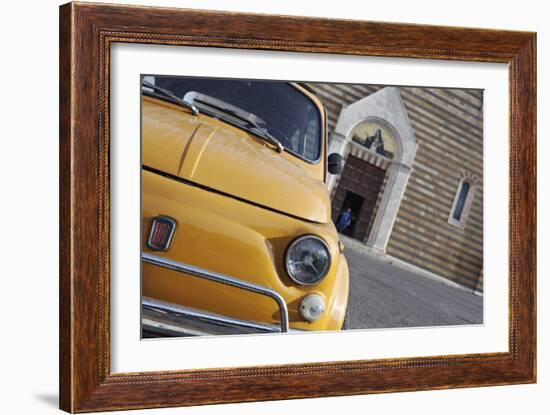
(130, 354)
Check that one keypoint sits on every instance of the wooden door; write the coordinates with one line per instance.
(358, 178)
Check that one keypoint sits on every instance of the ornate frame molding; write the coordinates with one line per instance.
(86, 33)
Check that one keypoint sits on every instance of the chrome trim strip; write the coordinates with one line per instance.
(187, 321)
(222, 279)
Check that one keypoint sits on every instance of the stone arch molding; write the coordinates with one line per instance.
(386, 107)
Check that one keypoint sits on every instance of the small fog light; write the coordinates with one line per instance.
(312, 307)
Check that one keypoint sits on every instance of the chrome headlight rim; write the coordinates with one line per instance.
(294, 242)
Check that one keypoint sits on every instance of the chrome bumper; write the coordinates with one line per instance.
(161, 317)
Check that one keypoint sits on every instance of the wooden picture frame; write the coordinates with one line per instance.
(86, 33)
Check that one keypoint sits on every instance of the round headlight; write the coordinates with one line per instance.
(307, 260)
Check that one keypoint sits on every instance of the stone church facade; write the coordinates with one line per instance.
(412, 176)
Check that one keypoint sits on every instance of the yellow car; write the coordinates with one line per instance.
(237, 235)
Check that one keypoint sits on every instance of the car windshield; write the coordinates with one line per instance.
(289, 115)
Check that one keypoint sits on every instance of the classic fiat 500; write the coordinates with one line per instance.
(237, 234)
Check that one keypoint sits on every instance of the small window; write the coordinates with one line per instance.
(462, 195)
(461, 205)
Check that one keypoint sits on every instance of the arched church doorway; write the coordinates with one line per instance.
(376, 140)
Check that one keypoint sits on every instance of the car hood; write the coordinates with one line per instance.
(220, 157)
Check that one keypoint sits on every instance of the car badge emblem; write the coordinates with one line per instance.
(161, 233)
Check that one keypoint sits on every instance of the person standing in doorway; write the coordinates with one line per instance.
(344, 220)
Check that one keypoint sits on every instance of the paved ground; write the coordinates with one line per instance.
(383, 295)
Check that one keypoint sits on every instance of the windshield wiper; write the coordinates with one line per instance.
(255, 124)
(171, 96)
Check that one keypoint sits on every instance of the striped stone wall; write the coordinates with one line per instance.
(448, 125)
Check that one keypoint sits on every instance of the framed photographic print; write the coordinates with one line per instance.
(253, 208)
